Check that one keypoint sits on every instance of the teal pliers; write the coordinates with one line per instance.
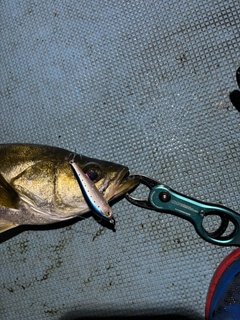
(161, 198)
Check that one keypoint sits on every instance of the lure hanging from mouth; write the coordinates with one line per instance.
(92, 195)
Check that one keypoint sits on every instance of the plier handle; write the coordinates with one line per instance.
(162, 198)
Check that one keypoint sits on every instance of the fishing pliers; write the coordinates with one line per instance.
(162, 198)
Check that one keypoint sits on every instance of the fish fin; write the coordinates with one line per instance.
(5, 225)
(8, 196)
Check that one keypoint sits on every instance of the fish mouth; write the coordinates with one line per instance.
(123, 183)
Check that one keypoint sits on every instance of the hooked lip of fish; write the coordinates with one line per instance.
(123, 184)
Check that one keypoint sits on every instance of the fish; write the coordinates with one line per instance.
(38, 185)
(92, 195)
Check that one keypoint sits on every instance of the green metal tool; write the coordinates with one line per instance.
(164, 199)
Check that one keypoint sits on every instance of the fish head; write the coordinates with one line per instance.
(111, 179)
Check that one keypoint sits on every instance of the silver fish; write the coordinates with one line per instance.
(38, 186)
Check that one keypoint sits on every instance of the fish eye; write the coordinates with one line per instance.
(93, 171)
(92, 175)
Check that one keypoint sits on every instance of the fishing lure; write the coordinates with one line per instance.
(91, 194)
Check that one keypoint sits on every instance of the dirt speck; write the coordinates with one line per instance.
(50, 269)
(51, 311)
(98, 233)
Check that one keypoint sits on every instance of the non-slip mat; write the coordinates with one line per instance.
(141, 83)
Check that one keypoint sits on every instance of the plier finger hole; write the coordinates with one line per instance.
(216, 225)
(219, 226)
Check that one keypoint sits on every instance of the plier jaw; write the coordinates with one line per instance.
(148, 182)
